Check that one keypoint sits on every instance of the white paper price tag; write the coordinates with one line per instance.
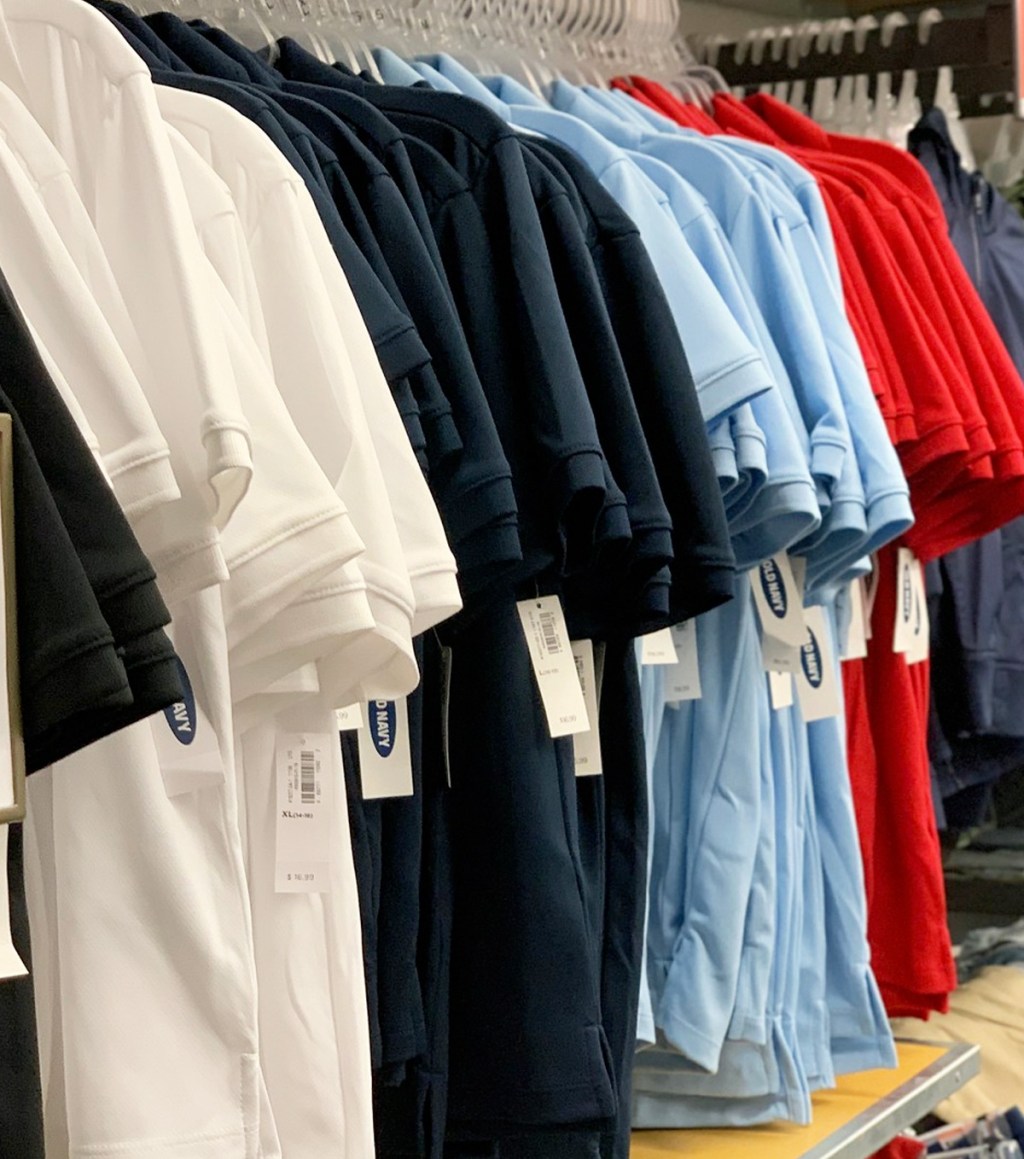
(385, 757)
(817, 685)
(856, 645)
(920, 638)
(682, 679)
(305, 793)
(554, 669)
(658, 648)
(906, 623)
(780, 689)
(587, 745)
(349, 718)
(780, 599)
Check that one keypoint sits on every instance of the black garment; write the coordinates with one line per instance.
(89, 615)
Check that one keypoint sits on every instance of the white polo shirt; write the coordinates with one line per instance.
(310, 341)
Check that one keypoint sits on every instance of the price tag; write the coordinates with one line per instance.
(907, 613)
(349, 718)
(658, 648)
(920, 640)
(780, 689)
(779, 598)
(305, 790)
(817, 685)
(682, 680)
(385, 755)
(587, 745)
(554, 669)
(856, 645)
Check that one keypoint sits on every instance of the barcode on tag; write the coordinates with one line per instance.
(307, 775)
(549, 630)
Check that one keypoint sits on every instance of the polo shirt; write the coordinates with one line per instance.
(137, 458)
(311, 532)
(165, 299)
(74, 684)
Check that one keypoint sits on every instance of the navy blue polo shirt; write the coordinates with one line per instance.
(623, 597)
(663, 389)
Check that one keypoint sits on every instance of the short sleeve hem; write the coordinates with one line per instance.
(732, 386)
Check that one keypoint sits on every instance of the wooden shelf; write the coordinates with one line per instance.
(861, 1115)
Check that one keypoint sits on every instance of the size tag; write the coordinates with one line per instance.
(553, 666)
(907, 615)
(305, 791)
(186, 745)
(587, 745)
(658, 648)
(856, 645)
(349, 718)
(385, 758)
(682, 680)
(446, 701)
(920, 640)
(817, 686)
(780, 600)
(780, 689)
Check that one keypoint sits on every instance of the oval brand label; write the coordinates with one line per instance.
(810, 660)
(774, 588)
(182, 717)
(382, 726)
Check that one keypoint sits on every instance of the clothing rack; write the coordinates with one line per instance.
(978, 46)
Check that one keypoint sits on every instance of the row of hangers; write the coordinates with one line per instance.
(587, 41)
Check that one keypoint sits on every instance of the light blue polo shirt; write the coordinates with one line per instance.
(705, 836)
(777, 288)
